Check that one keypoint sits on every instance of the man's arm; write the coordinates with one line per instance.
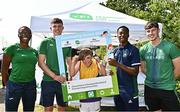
(176, 63)
(130, 70)
(143, 67)
(45, 68)
(5, 67)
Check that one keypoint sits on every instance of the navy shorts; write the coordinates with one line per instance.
(50, 89)
(16, 91)
(157, 99)
(124, 102)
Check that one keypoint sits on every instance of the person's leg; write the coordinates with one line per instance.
(95, 106)
(152, 100)
(47, 95)
(84, 107)
(133, 104)
(29, 96)
(48, 109)
(59, 97)
(13, 96)
(169, 101)
(119, 103)
(130, 103)
(61, 108)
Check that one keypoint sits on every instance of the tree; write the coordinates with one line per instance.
(125, 6)
(166, 12)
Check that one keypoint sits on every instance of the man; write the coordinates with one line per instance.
(160, 61)
(127, 63)
(48, 62)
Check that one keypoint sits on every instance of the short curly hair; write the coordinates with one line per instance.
(85, 52)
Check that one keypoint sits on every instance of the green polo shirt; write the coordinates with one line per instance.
(23, 63)
(48, 48)
(159, 65)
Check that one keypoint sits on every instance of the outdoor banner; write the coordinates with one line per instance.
(92, 87)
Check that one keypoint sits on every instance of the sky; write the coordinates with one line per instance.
(17, 13)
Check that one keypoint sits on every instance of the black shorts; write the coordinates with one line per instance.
(157, 99)
(50, 89)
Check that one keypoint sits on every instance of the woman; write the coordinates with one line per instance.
(21, 82)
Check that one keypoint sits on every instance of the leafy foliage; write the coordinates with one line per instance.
(101, 52)
(178, 88)
(166, 12)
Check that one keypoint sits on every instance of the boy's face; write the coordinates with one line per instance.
(122, 35)
(57, 29)
(152, 33)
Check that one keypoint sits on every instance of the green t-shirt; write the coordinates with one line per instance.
(48, 48)
(159, 65)
(23, 63)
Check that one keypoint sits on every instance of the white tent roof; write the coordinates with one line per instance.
(91, 17)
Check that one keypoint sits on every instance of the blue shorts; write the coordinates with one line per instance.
(50, 89)
(125, 102)
(16, 91)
